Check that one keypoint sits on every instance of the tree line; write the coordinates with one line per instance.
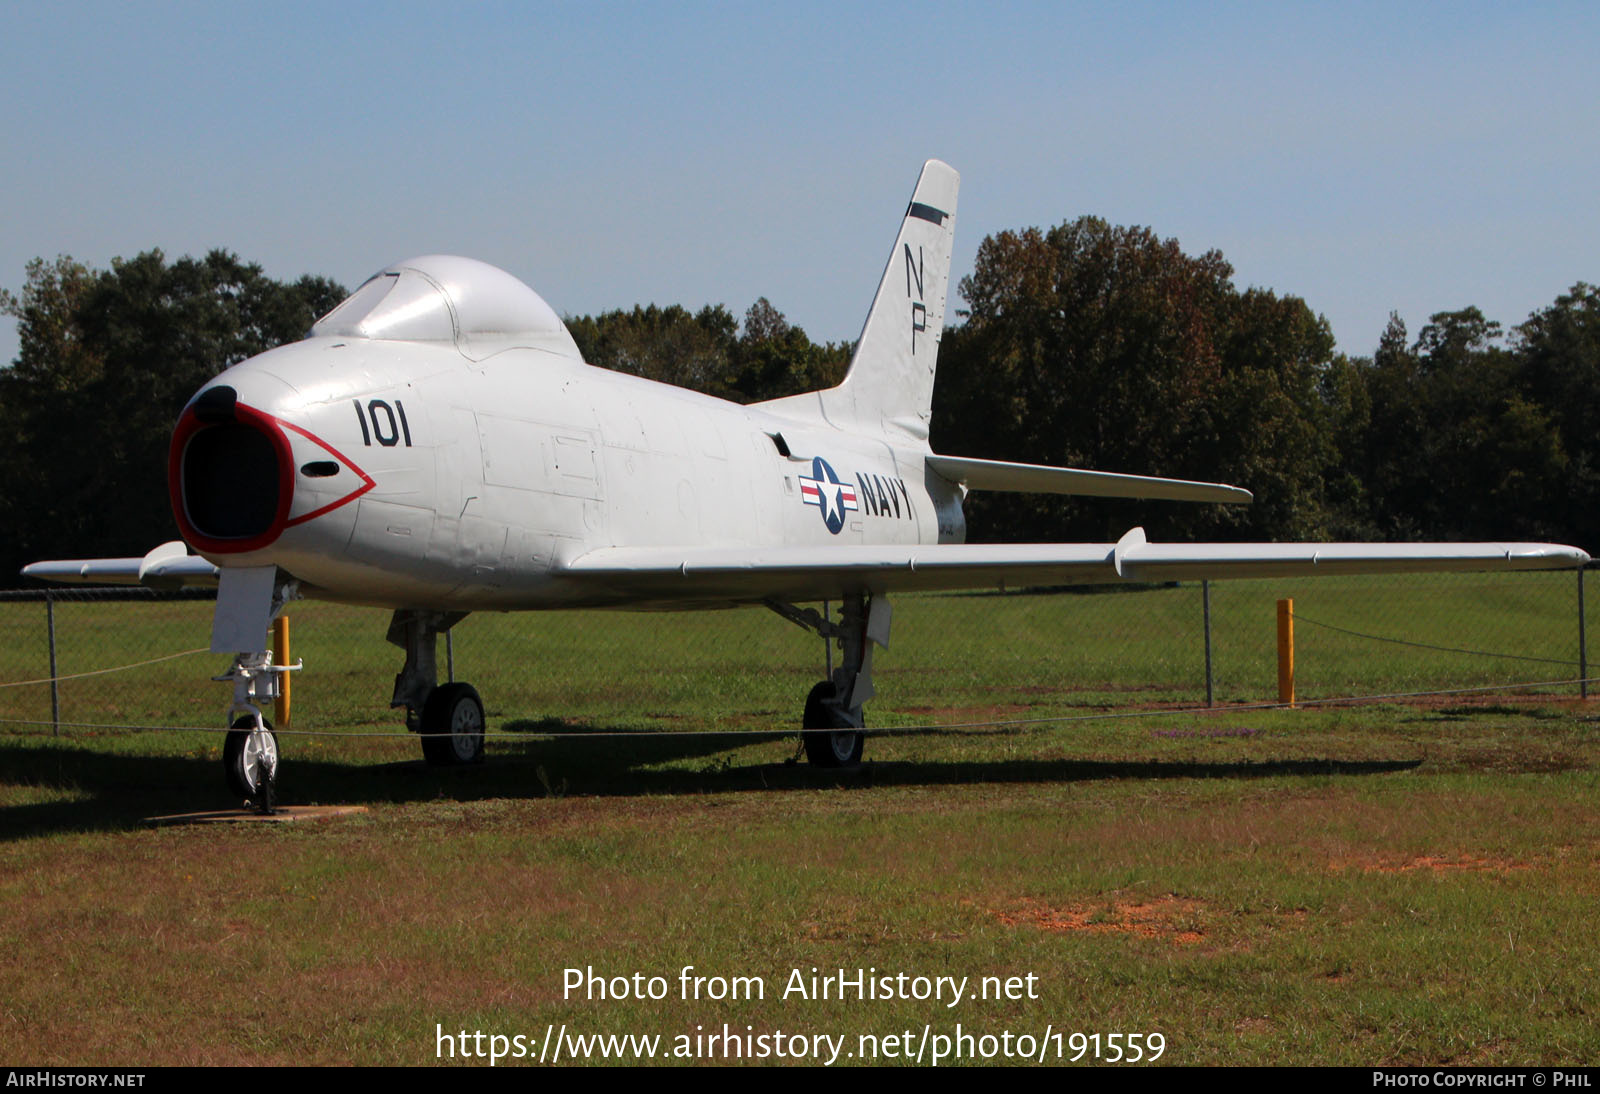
(1107, 347)
(1085, 345)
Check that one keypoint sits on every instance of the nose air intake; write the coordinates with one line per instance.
(230, 481)
(229, 474)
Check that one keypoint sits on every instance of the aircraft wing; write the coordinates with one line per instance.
(1033, 478)
(815, 573)
(733, 574)
(169, 566)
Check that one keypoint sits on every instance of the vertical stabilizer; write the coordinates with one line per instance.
(889, 388)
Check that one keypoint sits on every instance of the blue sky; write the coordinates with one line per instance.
(1368, 158)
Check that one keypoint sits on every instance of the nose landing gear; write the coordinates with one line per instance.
(250, 752)
(250, 761)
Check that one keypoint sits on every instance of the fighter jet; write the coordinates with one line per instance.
(437, 446)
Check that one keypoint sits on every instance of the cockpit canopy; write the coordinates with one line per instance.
(442, 298)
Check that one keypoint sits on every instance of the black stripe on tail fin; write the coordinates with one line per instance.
(889, 388)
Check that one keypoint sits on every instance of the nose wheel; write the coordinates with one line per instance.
(250, 751)
(250, 761)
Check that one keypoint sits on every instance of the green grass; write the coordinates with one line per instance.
(969, 657)
(1353, 885)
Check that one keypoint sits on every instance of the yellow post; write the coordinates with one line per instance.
(280, 654)
(1286, 652)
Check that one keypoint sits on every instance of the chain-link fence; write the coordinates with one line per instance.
(953, 658)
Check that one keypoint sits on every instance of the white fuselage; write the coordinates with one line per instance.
(487, 477)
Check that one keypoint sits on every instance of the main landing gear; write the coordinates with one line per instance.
(448, 716)
(832, 725)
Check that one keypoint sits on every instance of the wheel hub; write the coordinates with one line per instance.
(466, 728)
(260, 757)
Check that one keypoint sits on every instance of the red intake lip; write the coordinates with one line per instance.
(217, 493)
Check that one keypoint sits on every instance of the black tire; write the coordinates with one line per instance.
(839, 747)
(452, 724)
(242, 763)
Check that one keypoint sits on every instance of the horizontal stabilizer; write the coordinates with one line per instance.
(1032, 478)
(815, 573)
(169, 566)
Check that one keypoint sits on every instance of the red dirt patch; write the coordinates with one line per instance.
(1170, 917)
(1437, 863)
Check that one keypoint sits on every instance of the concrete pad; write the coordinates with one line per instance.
(284, 815)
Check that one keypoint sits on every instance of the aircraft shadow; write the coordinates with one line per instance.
(119, 792)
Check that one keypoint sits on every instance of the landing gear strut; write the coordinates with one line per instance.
(247, 601)
(250, 753)
(449, 716)
(831, 728)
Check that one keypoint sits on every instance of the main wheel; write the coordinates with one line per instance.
(841, 745)
(452, 726)
(249, 758)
